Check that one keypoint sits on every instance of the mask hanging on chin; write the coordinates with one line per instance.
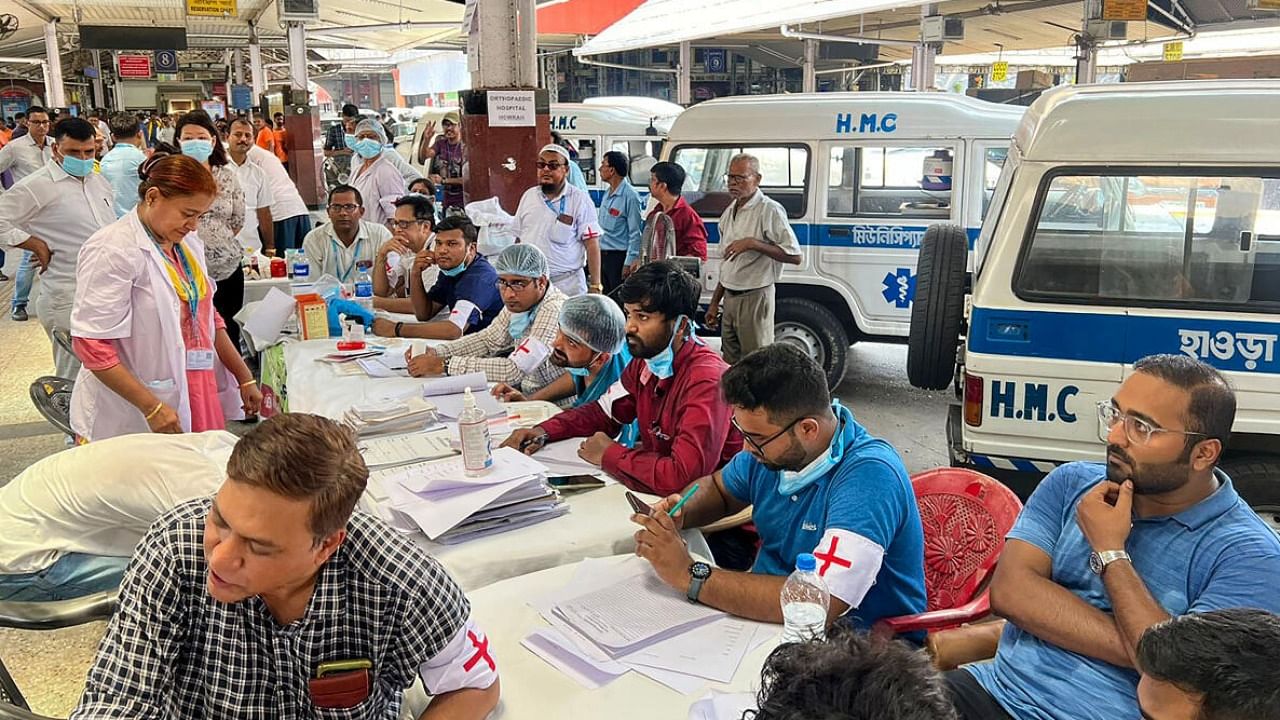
(793, 481)
(663, 364)
(520, 322)
(583, 372)
(457, 270)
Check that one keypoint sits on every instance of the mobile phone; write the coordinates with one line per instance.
(575, 482)
(337, 666)
(641, 507)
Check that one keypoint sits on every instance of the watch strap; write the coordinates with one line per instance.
(695, 583)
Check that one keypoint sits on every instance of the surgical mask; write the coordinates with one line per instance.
(791, 482)
(520, 322)
(77, 167)
(198, 150)
(368, 148)
(663, 364)
(583, 372)
(455, 271)
(350, 141)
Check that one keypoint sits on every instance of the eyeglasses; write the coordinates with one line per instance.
(517, 285)
(550, 165)
(37, 122)
(403, 224)
(759, 446)
(344, 207)
(731, 178)
(1137, 430)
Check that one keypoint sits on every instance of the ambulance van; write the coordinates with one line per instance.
(862, 176)
(1129, 220)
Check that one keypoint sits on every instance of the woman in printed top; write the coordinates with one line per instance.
(143, 322)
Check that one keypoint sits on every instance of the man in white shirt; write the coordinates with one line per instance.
(21, 157)
(346, 240)
(560, 220)
(292, 222)
(257, 190)
(69, 523)
(50, 213)
(120, 166)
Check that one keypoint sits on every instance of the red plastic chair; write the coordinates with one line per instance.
(965, 515)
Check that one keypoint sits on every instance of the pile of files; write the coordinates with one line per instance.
(450, 507)
(616, 616)
(391, 415)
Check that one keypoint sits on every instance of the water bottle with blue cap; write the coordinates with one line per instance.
(805, 600)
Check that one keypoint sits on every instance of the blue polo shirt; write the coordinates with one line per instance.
(477, 284)
(1217, 554)
(621, 221)
(869, 493)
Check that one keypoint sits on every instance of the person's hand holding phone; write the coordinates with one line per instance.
(662, 507)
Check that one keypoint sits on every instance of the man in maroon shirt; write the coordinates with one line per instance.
(666, 181)
(671, 386)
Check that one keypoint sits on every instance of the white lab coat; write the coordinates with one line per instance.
(123, 293)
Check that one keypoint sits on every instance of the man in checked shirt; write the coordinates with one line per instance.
(272, 600)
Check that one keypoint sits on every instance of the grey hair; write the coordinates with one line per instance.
(749, 159)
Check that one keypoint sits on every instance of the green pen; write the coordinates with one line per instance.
(687, 494)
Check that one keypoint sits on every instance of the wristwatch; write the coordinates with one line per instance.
(1098, 561)
(699, 571)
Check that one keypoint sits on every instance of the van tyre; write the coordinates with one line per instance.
(1257, 479)
(938, 308)
(814, 329)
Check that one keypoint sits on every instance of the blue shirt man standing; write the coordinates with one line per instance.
(621, 220)
(1102, 552)
(120, 165)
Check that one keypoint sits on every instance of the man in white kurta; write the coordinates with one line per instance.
(560, 220)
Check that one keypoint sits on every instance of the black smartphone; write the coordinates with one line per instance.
(575, 482)
(641, 507)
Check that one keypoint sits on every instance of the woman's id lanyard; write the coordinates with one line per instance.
(188, 286)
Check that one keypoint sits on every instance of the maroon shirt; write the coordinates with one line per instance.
(691, 234)
(684, 423)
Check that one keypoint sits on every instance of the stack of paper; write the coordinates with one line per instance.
(456, 384)
(390, 451)
(451, 507)
(619, 617)
(391, 415)
(389, 363)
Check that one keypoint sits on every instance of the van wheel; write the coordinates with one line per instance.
(1257, 479)
(938, 307)
(815, 330)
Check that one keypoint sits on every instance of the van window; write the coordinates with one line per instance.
(1157, 239)
(993, 162)
(889, 183)
(784, 170)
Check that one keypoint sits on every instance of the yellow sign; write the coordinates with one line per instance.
(213, 8)
(999, 71)
(1130, 10)
(1268, 4)
(1173, 52)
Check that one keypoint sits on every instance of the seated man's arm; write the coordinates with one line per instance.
(559, 389)
(711, 503)
(462, 315)
(479, 352)
(462, 678)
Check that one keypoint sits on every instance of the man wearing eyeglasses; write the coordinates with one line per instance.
(756, 240)
(22, 156)
(560, 220)
(1103, 552)
(340, 245)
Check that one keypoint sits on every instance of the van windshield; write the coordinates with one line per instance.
(1158, 238)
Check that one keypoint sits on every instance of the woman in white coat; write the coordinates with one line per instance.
(379, 182)
(143, 323)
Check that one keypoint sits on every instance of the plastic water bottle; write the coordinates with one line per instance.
(473, 427)
(364, 286)
(301, 268)
(805, 599)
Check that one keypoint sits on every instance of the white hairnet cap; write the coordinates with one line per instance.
(595, 321)
(373, 125)
(522, 259)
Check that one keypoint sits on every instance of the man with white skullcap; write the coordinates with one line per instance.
(516, 347)
(560, 220)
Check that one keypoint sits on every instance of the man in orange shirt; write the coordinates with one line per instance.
(266, 138)
(282, 140)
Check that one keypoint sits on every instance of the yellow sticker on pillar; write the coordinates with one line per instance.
(1173, 52)
(999, 71)
(212, 8)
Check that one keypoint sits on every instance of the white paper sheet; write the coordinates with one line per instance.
(450, 475)
(722, 706)
(395, 450)
(561, 654)
(633, 613)
(438, 515)
(376, 368)
(561, 458)
(712, 651)
(450, 406)
(455, 384)
(268, 320)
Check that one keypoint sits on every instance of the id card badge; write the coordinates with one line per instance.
(200, 359)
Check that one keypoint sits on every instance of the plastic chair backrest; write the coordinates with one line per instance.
(965, 515)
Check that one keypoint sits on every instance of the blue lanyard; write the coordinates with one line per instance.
(337, 258)
(552, 207)
(186, 276)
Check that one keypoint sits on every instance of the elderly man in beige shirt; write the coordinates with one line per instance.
(756, 241)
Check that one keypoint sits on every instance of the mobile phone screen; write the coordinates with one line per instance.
(641, 507)
(575, 482)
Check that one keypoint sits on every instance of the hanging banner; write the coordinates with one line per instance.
(1173, 51)
(135, 66)
(999, 71)
(1128, 10)
(211, 8)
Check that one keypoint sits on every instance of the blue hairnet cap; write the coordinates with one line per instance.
(373, 125)
(522, 259)
(595, 321)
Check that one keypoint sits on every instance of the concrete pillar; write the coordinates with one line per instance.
(117, 90)
(297, 37)
(507, 44)
(684, 80)
(810, 82)
(924, 55)
(54, 94)
(237, 66)
(257, 77)
(99, 93)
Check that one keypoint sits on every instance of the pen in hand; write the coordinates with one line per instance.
(684, 499)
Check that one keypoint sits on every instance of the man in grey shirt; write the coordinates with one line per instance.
(756, 241)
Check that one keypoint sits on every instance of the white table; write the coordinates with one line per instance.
(533, 689)
(316, 388)
(255, 290)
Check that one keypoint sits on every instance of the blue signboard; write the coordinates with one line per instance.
(166, 61)
(715, 60)
(241, 97)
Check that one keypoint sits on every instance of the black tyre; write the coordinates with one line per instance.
(1257, 479)
(816, 331)
(938, 307)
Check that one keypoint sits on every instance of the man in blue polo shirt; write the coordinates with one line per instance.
(467, 286)
(1102, 552)
(820, 484)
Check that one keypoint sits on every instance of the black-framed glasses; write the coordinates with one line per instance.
(344, 207)
(517, 285)
(759, 446)
(403, 224)
(1137, 430)
(732, 178)
(542, 165)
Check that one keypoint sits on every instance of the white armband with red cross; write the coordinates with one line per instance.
(849, 563)
(616, 392)
(460, 315)
(529, 354)
(466, 662)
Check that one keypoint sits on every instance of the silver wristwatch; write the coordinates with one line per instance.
(1098, 561)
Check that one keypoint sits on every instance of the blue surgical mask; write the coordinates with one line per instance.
(368, 148)
(583, 372)
(663, 364)
(76, 167)
(455, 271)
(198, 150)
(350, 141)
(520, 322)
(791, 482)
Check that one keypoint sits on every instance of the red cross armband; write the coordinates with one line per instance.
(529, 354)
(466, 662)
(849, 563)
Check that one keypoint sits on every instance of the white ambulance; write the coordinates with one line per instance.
(1129, 220)
(862, 177)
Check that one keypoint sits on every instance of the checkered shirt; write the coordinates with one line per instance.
(171, 651)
